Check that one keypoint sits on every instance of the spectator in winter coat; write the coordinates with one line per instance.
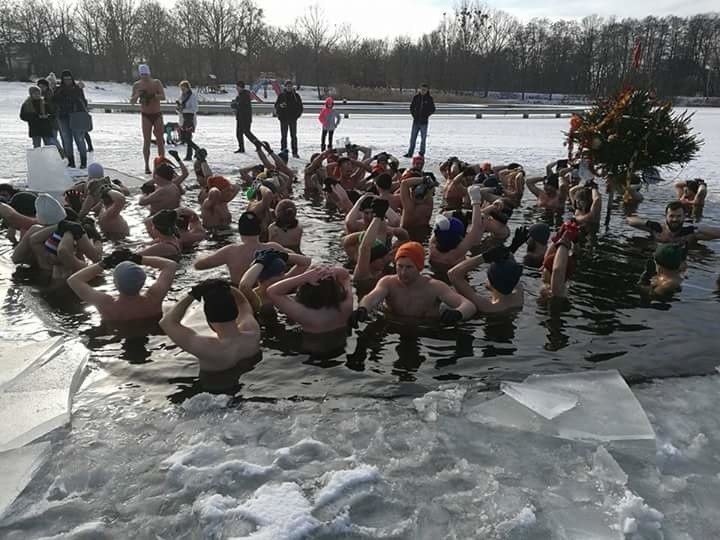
(187, 108)
(69, 98)
(38, 113)
(243, 116)
(289, 107)
(421, 108)
(330, 119)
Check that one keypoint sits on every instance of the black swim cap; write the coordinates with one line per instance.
(248, 224)
(24, 203)
(219, 305)
(165, 221)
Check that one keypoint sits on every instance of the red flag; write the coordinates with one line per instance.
(637, 53)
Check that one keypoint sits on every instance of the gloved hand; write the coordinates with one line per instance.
(358, 316)
(72, 227)
(266, 256)
(451, 316)
(148, 187)
(475, 194)
(116, 257)
(199, 290)
(650, 271)
(259, 168)
(105, 196)
(568, 230)
(430, 180)
(496, 254)
(380, 207)
(521, 236)
(329, 183)
(174, 153)
(74, 199)
(88, 225)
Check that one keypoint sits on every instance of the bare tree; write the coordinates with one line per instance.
(319, 37)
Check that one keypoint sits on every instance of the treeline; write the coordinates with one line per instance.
(473, 48)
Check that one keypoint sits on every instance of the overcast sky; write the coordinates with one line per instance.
(390, 18)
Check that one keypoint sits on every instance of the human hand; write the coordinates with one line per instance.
(475, 194)
(519, 238)
(116, 257)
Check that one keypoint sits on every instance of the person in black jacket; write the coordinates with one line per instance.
(289, 108)
(243, 116)
(69, 98)
(38, 113)
(421, 108)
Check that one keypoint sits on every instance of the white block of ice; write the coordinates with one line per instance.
(584, 524)
(339, 482)
(46, 171)
(607, 410)
(17, 467)
(40, 398)
(546, 404)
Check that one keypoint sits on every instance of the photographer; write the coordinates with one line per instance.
(288, 108)
(421, 108)
(242, 105)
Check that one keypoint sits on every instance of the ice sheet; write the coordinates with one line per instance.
(584, 524)
(17, 468)
(17, 356)
(605, 468)
(39, 400)
(546, 404)
(607, 409)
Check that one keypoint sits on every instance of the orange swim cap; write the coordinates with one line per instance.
(219, 182)
(413, 251)
(159, 160)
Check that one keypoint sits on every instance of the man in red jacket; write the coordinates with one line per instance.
(421, 108)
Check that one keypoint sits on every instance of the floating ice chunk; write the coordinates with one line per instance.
(280, 512)
(339, 482)
(546, 404)
(607, 410)
(523, 520)
(648, 521)
(94, 530)
(17, 468)
(205, 402)
(584, 524)
(606, 468)
(446, 400)
(40, 399)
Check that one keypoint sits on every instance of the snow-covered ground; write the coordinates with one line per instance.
(428, 466)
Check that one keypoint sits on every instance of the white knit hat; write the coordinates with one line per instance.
(48, 211)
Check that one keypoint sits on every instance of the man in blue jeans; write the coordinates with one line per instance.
(421, 108)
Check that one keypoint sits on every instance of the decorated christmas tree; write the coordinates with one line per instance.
(631, 132)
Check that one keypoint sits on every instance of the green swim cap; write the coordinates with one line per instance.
(670, 256)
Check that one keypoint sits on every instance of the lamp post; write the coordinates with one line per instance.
(707, 82)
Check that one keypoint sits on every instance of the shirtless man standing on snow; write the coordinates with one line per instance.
(151, 94)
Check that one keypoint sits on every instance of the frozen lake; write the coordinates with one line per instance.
(337, 447)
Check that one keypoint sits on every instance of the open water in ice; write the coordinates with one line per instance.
(335, 447)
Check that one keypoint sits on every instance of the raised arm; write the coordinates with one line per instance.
(362, 266)
(375, 297)
(171, 324)
(79, 283)
(532, 183)
(219, 258)
(164, 281)
(280, 295)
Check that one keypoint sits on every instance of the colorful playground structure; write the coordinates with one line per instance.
(265, 80)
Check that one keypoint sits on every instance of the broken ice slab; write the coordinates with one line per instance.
(607, 410)
(605, 468)
(17, 467)
(17, 356)
(40, 398)
(546, 404)
(584, 524)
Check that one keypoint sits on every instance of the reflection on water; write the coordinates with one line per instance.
(605, 323)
